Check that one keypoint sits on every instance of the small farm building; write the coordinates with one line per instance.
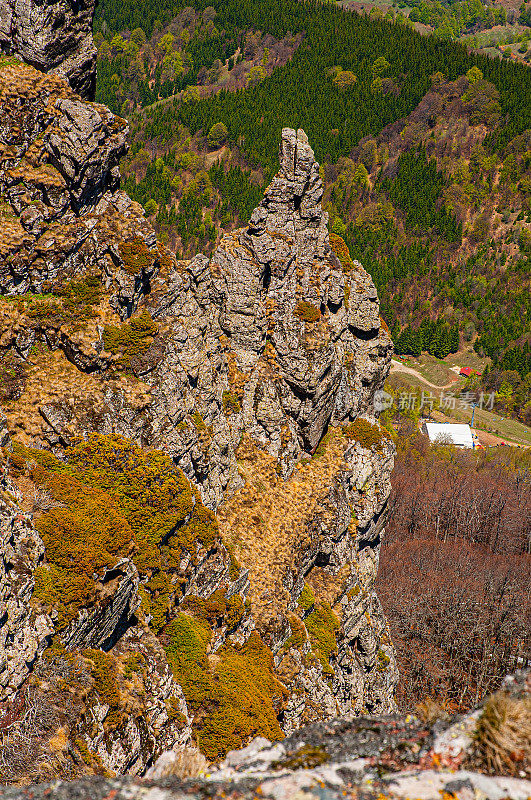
(449, 433)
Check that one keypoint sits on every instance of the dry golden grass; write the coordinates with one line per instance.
(58, 743)
(268, 521)
(52, 378)
(327, 587)
(430, 710)
(503, 734)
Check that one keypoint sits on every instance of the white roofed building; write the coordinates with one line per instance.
(449, 433)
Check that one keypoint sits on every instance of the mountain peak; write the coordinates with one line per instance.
(292, 202)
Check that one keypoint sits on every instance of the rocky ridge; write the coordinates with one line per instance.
(251, 381)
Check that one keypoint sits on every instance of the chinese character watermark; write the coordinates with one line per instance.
(411, 401)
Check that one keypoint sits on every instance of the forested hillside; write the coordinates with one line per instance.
(304, 94)
(425, 151)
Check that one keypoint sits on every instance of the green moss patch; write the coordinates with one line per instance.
(103, 668)
(320, 450)
(340, 249)
(368, 435)
(306, 598)
(298, 633)
(114, 499)
(70, 303)
(233, 701)
(136, 256)
(322, 625)
(217, 609)
(307, 312)
(231, 403)
(382, 660)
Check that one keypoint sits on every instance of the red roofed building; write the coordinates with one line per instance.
(466, 372)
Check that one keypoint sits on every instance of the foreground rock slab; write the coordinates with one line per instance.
(369, 758)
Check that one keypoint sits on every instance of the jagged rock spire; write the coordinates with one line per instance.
(292, 203)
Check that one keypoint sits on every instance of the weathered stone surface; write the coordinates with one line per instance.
(154, 728)
(24, 633)
(103, 625)
(53, 36)
(62, 212)
(364, 758)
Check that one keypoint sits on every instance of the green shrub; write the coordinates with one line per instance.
(231, 403)
(116, 499)
(231, 702)
(131, 339)
(307, 312)
(71, 303)
(135, 255)
(341, 251)
(367, 434)
(306, 598)
(322, 625)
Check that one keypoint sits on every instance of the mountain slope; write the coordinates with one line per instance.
(193, 477)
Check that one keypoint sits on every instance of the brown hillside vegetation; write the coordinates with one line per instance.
(456, 570)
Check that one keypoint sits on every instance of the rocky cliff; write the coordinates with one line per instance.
(54, 36)
(194, 479)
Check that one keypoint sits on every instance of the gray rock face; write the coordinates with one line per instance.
(65, 721)
(85, 146)
(53, 36)
(263, 338)
(104, 625)
(62, 213)
(164, 722)
(24, 633)
(258, 377)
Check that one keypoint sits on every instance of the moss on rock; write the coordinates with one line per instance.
(322, 625)
(70, 303)
(307, 312)
(231, 403)
(306, 598)
(340, 249)
(135, 255)
(234, 700)
(112, 499)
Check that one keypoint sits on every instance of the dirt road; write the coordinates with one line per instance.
(397, 366)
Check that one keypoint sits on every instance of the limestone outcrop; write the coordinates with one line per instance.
(222, 413)
(53, 36)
